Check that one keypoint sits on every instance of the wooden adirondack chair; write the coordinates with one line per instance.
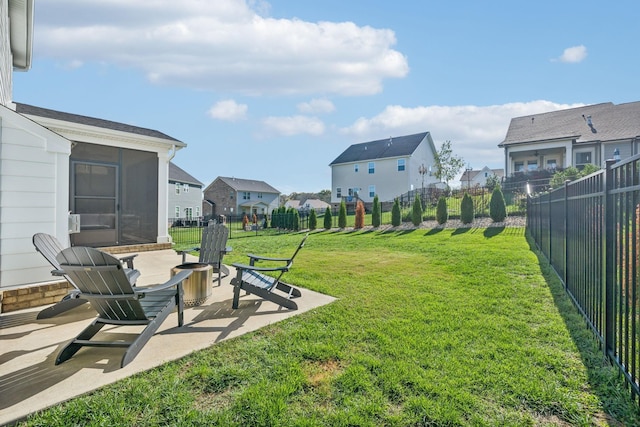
(102, 281)
(251, 279)
(50, 247)
(212, 250)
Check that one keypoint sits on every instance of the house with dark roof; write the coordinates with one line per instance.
(185, 195)
(572, 137)
(231, 196)
(112, 176)
(385, 167)
(478, 178)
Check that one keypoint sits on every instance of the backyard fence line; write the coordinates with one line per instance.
(589, 230)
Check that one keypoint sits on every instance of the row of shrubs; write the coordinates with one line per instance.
(290, 218)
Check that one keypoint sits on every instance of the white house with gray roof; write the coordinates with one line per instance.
(185, 195)
(231, 196)
(572, 137)
(387, 167)
(113, 175)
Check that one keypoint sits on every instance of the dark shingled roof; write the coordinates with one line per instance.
(90, 121)
(384, 148)
(179, 175)
(248, 185)
(609, 123)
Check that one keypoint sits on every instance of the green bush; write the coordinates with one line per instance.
(342, 215)
(442, 213)
(328, 219)
(396, 220)
(466, 209)
(376, 214)
(313, 220)
(416, 212)
(497, 207)
(296, 220)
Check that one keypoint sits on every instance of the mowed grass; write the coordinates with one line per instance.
(448, 327)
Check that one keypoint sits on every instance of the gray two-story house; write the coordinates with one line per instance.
(185, 195)
(572, 137)
(235, 196)
(387, 167)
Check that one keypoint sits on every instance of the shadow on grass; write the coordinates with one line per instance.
(461, 230)
(606, 383)
(433, 231)
(493, 231)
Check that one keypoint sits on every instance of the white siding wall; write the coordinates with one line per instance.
(191, 199)
(34, 182)
(6, 61)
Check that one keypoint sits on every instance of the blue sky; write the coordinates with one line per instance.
(276, 90)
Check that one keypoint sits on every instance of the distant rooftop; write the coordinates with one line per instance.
(180, 175)
(383, 148)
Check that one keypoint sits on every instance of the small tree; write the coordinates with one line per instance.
(342, 215)
(328, 219)
(497, 208)
(376, 212)
(396, 219)
(492, 181)
(447, 164)
(313, 220)
(359, 215)
(466, 209)
(416, 213)
(442, 214)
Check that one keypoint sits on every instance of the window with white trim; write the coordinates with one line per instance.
(177, 212)
(583, 158)
(401, 165)
(197, 211)
(372, 167)
(532, 165)
(356, 167)
(372, 191)
(188, 213)
(246, 195)
(338, 192)
(185, 188)
(177, 188)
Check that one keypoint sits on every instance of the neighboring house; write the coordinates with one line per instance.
(185, 194)
(314, 204)
(478, 178)
(386, 167)
(235, 196)
(52, 163)
(295, 204)
(572, 137)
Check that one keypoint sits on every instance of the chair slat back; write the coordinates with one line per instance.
(49, 247)
(300, 246)
(214, 242)
(102, 280)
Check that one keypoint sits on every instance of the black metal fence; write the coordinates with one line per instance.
(589, 230)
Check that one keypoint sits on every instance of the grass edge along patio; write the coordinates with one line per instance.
(431, 327)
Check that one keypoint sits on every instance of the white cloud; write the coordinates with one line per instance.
(294, 125)
(222, 44)
(316, 106)
(228, 110)
(474, 131)
(573, 54)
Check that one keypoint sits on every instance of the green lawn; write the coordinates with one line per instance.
(449, 327)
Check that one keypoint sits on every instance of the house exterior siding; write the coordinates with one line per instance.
(34, 183)
(185, 195)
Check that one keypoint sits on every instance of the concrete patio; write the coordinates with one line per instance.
(29, 380)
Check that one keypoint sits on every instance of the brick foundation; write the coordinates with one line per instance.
(33, 296)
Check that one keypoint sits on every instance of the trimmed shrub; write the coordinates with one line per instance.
(295, 220)
(342, 215)
(497, 208)
(416, 212)
(359, 215)
(313, 220)
(442, 213)
(328, 219)
(466, 209)
(396, 219)
(376, 213)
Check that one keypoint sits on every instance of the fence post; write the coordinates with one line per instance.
(566, 232)
(609, 269)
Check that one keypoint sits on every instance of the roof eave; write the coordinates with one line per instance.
(21, 29)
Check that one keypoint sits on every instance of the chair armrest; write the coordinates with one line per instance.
(132, 275)
(254, 268)
(184, 253)
(227, 250)
(264, 258)
(175, 280)
(128, 260)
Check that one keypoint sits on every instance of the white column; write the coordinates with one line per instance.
(163, 197)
